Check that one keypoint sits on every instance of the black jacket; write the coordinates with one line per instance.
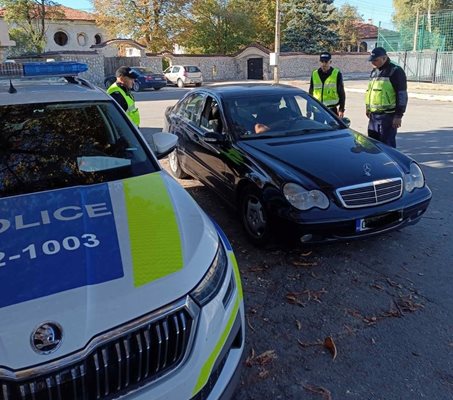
(119, 97)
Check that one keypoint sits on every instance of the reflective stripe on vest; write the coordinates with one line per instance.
(326, 92)
(131, 111)
(380, 95)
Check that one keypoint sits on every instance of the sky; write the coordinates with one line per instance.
(376, 10)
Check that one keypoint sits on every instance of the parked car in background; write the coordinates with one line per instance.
(292, 167)
(183, 75)
(147, 79)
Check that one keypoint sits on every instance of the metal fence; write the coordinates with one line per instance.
(426, 66)
(421, 32)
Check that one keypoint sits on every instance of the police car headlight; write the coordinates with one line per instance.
(211, 283)
(414, 179)
(304, 199)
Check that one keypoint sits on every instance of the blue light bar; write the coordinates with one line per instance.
(41, 69)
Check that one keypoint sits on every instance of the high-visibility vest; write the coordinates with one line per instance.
(380, 95)
(132, 110)
(326, 92)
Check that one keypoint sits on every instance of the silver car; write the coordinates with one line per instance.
(183, 75)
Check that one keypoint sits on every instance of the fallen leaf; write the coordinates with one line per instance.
(330, 345)
(299, 325)
(318, 390)
(305, 344)
(304, 264)
(250, 358)
(266, 357)
(376, 286)
(264, 373)
(249, 324)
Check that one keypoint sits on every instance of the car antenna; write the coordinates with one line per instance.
(11, 89)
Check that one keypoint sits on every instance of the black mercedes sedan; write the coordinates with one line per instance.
(290, 166)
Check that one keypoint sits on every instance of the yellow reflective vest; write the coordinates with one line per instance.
(132, 110)
(380, 96)
(326, 92)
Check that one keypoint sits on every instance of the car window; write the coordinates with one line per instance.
(143, 71)
(191, 107)
(47, 146)
(175, 69)
(211, 119)
(278, 115)
(191, 69)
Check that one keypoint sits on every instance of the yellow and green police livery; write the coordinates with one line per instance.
(113, 282)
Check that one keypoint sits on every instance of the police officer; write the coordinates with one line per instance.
(326, 85)
(121, 92)
(386, 97)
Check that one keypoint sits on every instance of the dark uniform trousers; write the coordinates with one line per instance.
(380, 127)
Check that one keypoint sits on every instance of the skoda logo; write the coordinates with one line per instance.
(367, 169)
(46, 338)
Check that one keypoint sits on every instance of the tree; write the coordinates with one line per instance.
(154, 23)
(28, 18)
(219, 26)
(348, 18)
(407, 9)
(421, 26)
(309, 26)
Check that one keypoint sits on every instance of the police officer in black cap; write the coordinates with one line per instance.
(326, 85)
(386, 97)
(121, 92)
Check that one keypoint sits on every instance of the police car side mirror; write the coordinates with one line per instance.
(164, 143)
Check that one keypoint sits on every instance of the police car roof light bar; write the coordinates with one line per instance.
(42, 69)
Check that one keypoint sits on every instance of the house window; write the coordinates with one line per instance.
(61, 38)
(97, 38)
(363, 47)
(82, 39)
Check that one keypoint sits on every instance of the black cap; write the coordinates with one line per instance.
(377, 52)
(127, 72)
(325, 56)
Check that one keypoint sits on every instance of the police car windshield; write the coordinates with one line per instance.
(49, 146)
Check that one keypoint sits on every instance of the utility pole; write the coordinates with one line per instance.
(416, 30)
(277, 43)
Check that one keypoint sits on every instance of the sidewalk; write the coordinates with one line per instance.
(419, 90)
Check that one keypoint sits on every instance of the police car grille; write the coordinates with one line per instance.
(371, 193)
(114, 368)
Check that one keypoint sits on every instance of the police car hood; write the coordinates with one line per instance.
(92, 258)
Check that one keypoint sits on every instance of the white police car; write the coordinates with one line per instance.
(113, 282)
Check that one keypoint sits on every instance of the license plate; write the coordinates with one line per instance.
(378, 221)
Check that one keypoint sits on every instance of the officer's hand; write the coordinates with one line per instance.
(367, 113)
(396, 122)
(341, 114)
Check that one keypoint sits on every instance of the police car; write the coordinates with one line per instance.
(113, 282)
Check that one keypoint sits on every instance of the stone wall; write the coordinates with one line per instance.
(213, 68)
(95, 73)
(301, 66)
(225, 68)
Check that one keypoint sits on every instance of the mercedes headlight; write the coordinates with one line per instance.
(304, 199)
(211, 283)
(414, 179)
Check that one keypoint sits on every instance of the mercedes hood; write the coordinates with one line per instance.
(329, 159)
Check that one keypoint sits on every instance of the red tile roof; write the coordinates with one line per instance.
(69, 14)
(367, 31)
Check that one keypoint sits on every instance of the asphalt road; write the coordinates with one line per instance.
(385, 303)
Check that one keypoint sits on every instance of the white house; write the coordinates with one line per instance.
(75, 31)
